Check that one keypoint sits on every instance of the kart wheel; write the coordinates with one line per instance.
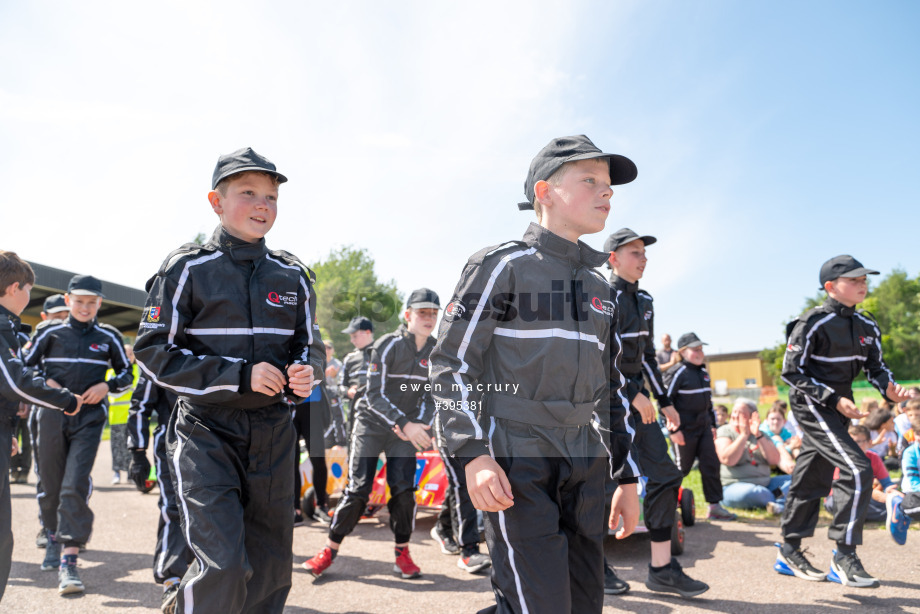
(308, 503)
(687, 507)
(677, 535)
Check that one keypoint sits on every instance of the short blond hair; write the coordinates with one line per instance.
(554, 179)
(13, 270)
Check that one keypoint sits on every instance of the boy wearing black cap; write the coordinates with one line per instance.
(393, 417)
(529, 393)
(229, 327)
(74, 353)
(826, 349)
(18, 385)
(689, 389)
(353, 375)
(636, 327)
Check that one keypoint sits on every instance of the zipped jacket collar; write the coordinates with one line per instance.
(622, 285)
(237, 248)
(839, 308)
(577, 253)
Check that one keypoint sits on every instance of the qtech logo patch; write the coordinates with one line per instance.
(601, 306)
(288, 299)
(99, 347)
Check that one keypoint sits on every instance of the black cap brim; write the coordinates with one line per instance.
(859, 272)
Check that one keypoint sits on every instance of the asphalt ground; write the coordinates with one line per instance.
(735, 558)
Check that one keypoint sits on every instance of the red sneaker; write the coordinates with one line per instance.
(319, 563)
(406, 567)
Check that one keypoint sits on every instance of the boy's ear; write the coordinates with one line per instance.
(214, 199)
(67, 299)
(612, 259)
(541, 190)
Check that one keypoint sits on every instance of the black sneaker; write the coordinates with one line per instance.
(672, 579)
(446, 542)
(70, 580)
(847, 569)
(795, 564)
(612, 584)
(41, 540)
(52, 560)
(298, 518)
(473, 562)
(170, 598)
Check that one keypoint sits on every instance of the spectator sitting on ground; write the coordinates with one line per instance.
(785, 442)
(881, 482)
(746, 455)
(884, 441)
(721, 415)
(901, 421)
(907, 437)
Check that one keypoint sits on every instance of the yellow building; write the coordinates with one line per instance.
(738, 374)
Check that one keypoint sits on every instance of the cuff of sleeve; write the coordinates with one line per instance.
(833, 400)
(402, 422)
(72, 405)
(632, 480)
(664, 401)
(112, 384)
(246, 379)
(471, 451)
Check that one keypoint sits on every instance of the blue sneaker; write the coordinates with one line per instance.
(847, 569)
(897, 521)
(795, 564)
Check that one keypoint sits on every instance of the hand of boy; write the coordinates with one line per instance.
(300, 379)
(488, 486)
(672, 418)
(645, 408)
(267, 379)
(846, 407)
(95, 393)
(625, 504)
(79, 406)
(15, 447)
(417, 434)
(678, 438)
(896, 392)
(50, 383)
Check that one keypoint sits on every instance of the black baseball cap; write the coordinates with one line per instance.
(423, 298)
(240, 161)
(55, 303)
(358, 323)
(624, 236)
(689, 340)
(843, 266)
(85, 285)
(571, 149)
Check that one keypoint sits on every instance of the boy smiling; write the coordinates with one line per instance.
(229, 327)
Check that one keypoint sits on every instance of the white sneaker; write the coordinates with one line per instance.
(116, 478)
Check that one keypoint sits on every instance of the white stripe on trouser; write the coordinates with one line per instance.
(857, 491)
(504, 531)
(455, 484)
(187, 592)
(164, 550)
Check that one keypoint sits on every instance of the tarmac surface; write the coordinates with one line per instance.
(735, 558)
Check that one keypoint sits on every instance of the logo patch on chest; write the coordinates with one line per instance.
(151, 314)
(866, 340)
(288, 299)
(99, 347)
(605, 307)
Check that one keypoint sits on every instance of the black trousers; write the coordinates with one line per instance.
(368, 440)
(6, 513)
(826, 445)
(172, 556)
(911, 505)
(66, 450)
(234, 487)
(548, 548)
(308, 424)
(458, 517)
(698, 443)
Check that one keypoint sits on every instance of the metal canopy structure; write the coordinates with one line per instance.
(121, 307)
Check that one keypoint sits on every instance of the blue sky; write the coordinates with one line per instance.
(769, 136)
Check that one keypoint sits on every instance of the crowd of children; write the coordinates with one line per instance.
(230, 357)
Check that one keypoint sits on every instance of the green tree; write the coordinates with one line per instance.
(895, 304)
(347, 286)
